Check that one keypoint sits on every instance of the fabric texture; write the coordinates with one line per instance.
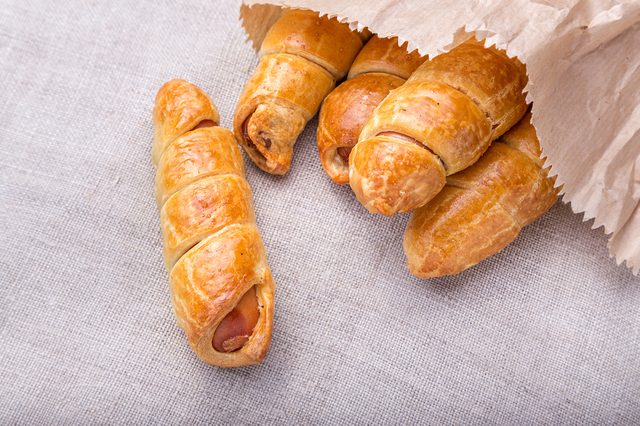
(548, 331)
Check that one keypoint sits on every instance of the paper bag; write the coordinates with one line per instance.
(583, 61)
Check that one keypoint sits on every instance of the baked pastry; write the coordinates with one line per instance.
(482, 208)
(301, 58)
(381, 66)
(221, 286)
(439, 122)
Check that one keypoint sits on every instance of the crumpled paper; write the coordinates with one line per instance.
(583, 61)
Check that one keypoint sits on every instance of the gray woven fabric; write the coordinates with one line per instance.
(546, 332)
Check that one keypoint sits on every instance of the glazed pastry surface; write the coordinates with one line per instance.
(301, 58)
(221, 286)
(437, 123)
(482, 208)
(381, 66)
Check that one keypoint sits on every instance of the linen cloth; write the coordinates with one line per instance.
(548, 331)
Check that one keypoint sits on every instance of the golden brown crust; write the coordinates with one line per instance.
(381, 66)
(454, 113)
(323, 41)
(210, 279)
(179, 107)
(488, 76)
(523, 137)
(454, 231)
(391, 168)
(201, 209)
(212, 246)
(481, 210)
(302, 56)
(384, 55)
(283, 94)
(439, 117)
(344, 112)
(522, 186)
(194, 155)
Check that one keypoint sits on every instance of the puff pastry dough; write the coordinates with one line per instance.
(438, 123)
(221, 286)
(482, 208)
(301, 58)
(381, 66)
